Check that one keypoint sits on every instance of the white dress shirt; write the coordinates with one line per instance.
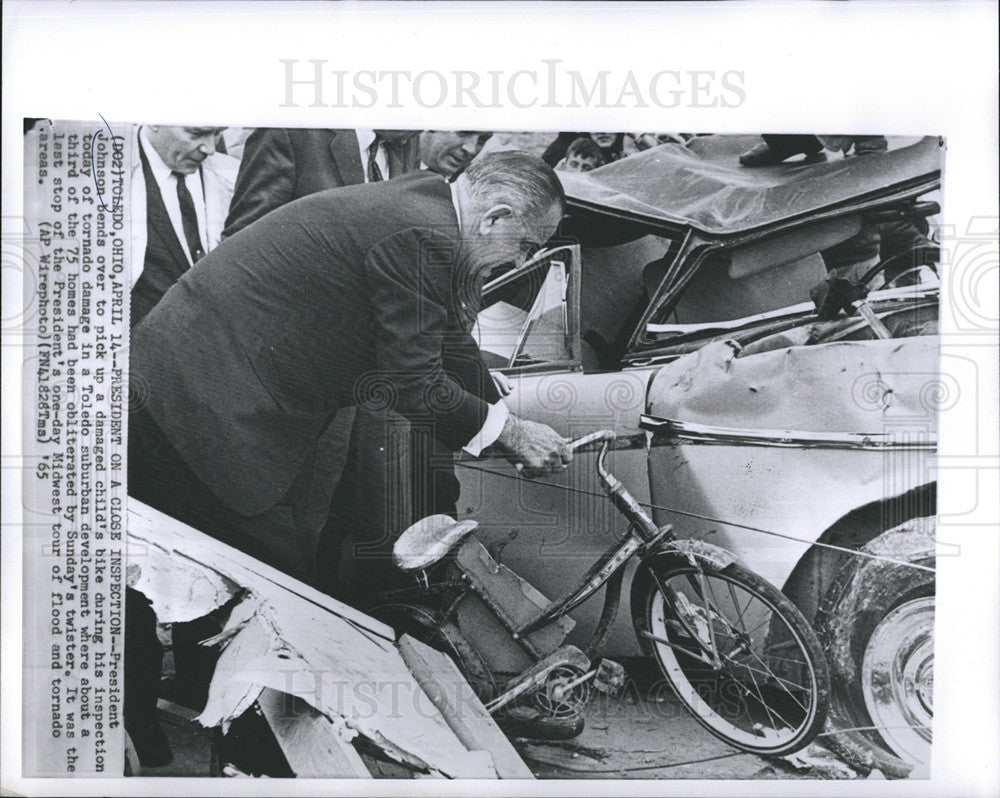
(496, 416)
(167, 182)
(366, 138)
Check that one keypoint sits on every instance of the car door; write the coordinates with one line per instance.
(550, 530)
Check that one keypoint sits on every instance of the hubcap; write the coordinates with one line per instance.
(898, 679)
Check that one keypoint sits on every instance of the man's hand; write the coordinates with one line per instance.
(537, 448)
(503, 383)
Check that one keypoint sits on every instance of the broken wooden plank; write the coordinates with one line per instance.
(455, 700)
(312, 745)
(282, 635)
(152, 526)
(513, 599)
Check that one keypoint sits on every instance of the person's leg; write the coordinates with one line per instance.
(905, 246)
(777, 147)
(194, 664)
(160, 477)
(865, 145)
(370, 508)
(434, 486)
(850, 259)
(143, 663)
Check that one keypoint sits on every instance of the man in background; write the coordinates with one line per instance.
(583, 155)
(181, 189)
(280, 165)
(447, 151)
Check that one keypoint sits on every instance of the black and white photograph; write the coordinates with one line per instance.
(459, 382)
(548, 456)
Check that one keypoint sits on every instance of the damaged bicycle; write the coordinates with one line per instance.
(738, 654)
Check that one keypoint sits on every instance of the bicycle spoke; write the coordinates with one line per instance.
(763, 703)
(711, 590)
(750, 675)
(767, 654)
(678, 618)
(664, 642)
(766, 620)
(784, 644)
(736, 603)
(708, 616)
(750, 598)
(803, 663)
(773, 675)
(741, 613)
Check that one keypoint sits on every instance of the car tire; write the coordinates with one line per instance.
(877, 620)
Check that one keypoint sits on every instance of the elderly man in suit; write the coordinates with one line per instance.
(180, 193)
(280, 165)
(337, 300)
(276, 374)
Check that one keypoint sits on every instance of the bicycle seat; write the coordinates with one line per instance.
(428, 541)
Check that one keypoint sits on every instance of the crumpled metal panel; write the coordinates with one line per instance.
(872, 387)
(704, 186)
(284, 636)
(847, 386)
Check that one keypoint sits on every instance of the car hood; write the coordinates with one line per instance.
(702, 186)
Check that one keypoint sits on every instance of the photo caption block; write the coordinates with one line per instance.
(77, 240)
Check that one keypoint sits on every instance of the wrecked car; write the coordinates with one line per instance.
(678, 313)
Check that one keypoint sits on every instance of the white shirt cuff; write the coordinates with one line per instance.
(496, 418)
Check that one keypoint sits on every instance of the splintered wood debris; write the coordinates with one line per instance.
(321, 672)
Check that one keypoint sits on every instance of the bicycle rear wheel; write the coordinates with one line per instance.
(737, 653)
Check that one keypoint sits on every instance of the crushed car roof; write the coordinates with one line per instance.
(702, 185)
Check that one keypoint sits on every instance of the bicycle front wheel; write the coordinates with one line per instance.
(737, 653)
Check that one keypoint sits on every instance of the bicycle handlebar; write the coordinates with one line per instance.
(605, 436)
(600, 435)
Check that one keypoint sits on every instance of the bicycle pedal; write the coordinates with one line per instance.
(610, 677)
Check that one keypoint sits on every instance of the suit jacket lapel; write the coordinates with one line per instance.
(162, 228)
(159, 221)
(347, 157)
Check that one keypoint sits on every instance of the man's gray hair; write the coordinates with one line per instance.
(523, 181)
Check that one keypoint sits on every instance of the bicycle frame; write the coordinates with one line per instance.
(554, 671)
(642, 533)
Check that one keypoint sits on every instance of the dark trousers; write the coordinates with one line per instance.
(398, 472)
(902, 244)
(143, 664)
(159, 476)
(348, 555)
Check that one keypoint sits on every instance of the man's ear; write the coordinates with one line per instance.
(493, 215)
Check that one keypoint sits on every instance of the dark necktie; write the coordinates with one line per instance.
(189, 219)
(374, 173)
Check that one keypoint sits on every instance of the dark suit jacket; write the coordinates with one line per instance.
(164, 261)
(345, 297)
(280, 165)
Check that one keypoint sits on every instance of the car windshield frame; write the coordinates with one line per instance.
(545, 259)
(602, 224)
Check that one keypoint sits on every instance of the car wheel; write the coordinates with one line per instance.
(876, 624)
